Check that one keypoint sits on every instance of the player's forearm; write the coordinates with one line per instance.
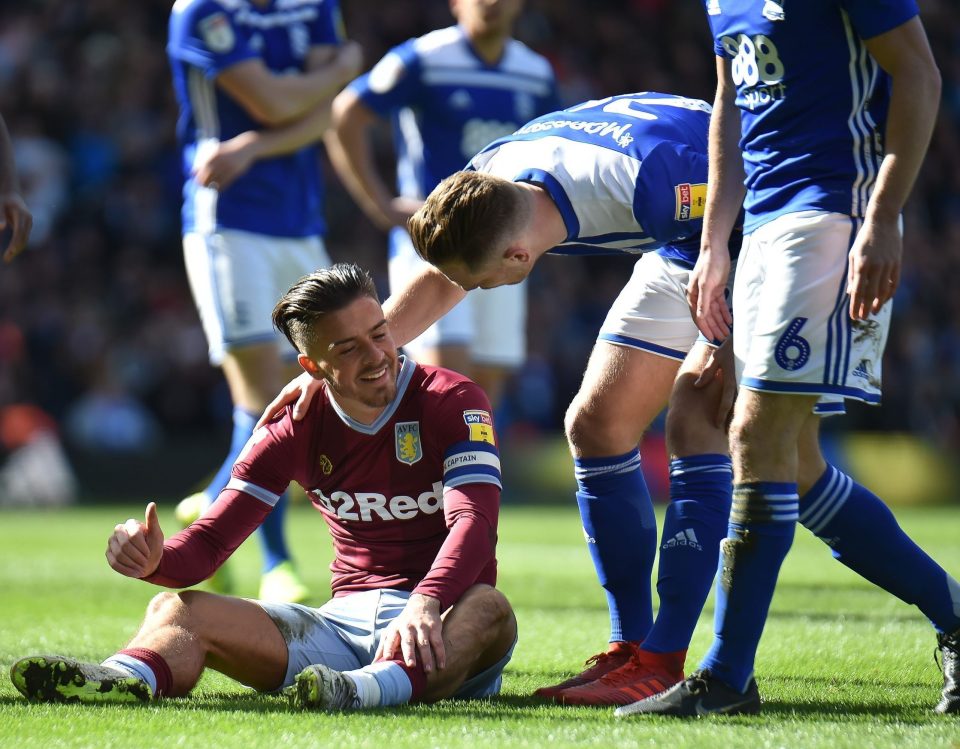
(725, 188)
(467, 551)
(423, 301)
(914, 99)
(350, 151)
(195, 553)
(275, 99)
(471, 513)
(290, 138)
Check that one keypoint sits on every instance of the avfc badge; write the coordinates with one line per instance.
(217, 33)
(407, 434)
(480, 426)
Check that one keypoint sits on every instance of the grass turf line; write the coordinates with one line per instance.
(842, 664)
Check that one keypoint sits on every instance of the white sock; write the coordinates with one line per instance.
(393, 684)
(132, 667)
(368, 688)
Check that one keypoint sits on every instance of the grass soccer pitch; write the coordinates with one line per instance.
(841, 664)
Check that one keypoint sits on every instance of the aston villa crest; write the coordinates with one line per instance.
(409, 449)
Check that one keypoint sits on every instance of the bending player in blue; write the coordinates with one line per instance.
(624, 174)
(832, 140)
(447, 94)
(254, 82)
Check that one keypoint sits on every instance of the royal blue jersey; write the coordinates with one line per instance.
(279, 196)
(445, 103)
(813, 102)
(628, 173)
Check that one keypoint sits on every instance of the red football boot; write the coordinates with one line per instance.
(645, 674)
(618, 654)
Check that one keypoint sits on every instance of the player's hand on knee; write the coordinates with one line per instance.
(135, 548)
(416, 635)
(300, 391)
(721, 367)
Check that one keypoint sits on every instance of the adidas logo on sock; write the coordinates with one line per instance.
(685, 537)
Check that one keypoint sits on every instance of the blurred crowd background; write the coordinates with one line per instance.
(99, 337)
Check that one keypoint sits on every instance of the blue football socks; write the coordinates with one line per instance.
(865, 536)
(621, 533)
(272, 542)
(696, 521)
(762, 523)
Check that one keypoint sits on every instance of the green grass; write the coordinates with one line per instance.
(842, 664)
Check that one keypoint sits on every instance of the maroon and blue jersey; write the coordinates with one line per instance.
(411, 500)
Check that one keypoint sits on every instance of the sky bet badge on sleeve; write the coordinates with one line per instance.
(691, 201)
(480, 425)
(409, 449)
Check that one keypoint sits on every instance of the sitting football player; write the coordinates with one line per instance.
(401, 460)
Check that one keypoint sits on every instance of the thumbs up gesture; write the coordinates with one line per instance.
(135, 548)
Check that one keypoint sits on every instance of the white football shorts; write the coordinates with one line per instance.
(492, 323)
(238, 277)
(651, 313)
(793, 331)
(344, 634)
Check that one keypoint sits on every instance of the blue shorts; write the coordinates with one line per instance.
(344, 634)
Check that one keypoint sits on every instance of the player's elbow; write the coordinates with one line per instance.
(348, 114)
(934, 80)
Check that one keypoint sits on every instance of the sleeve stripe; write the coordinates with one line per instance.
(472, 478)
(253, 490)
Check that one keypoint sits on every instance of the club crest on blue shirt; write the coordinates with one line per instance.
(480, 426)
(407, 434)
(217, 33)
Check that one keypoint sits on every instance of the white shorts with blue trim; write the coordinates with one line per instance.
(491, 323)
(238, 277)
(651, 313)
(344, 634)
(793, 329)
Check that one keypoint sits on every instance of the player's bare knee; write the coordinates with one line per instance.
(591, 433)
(166, 608)
(488, 607)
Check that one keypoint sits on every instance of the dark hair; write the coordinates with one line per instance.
(313, 296)
(468, 216)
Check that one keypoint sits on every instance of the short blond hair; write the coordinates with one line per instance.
(465, 219)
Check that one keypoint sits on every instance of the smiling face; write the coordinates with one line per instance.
(353, 351)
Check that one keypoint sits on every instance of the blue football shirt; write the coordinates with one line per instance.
(813, 102)
(445, 102)
(628, 173)
(280, 196)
